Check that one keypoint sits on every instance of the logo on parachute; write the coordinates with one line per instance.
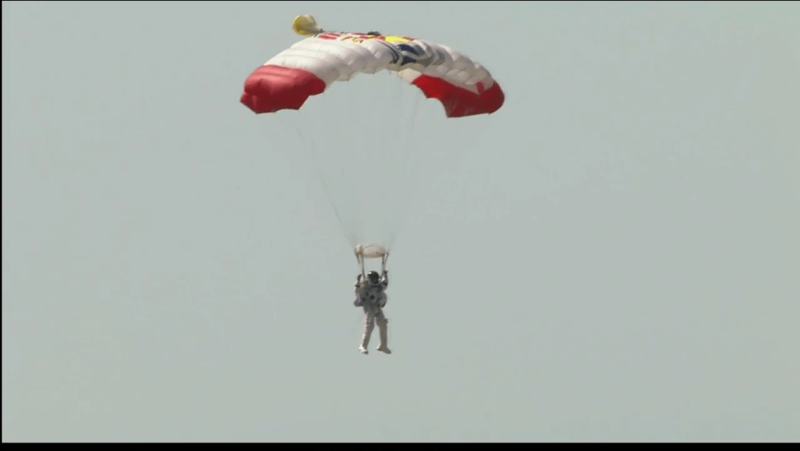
(402, 48)
(358, 38)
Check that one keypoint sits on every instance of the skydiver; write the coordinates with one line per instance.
(371, 296)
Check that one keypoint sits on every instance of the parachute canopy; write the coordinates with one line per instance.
(309, 67)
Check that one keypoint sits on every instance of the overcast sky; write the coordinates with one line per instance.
(614, 255)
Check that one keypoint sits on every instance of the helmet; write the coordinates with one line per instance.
(374, 277)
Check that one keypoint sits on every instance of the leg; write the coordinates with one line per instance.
(369, 326)
(383, 330)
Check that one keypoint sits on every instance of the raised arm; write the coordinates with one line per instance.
(385, 280)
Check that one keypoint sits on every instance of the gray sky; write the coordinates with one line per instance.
(611, 256)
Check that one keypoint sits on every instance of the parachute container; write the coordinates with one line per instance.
(371, 251)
